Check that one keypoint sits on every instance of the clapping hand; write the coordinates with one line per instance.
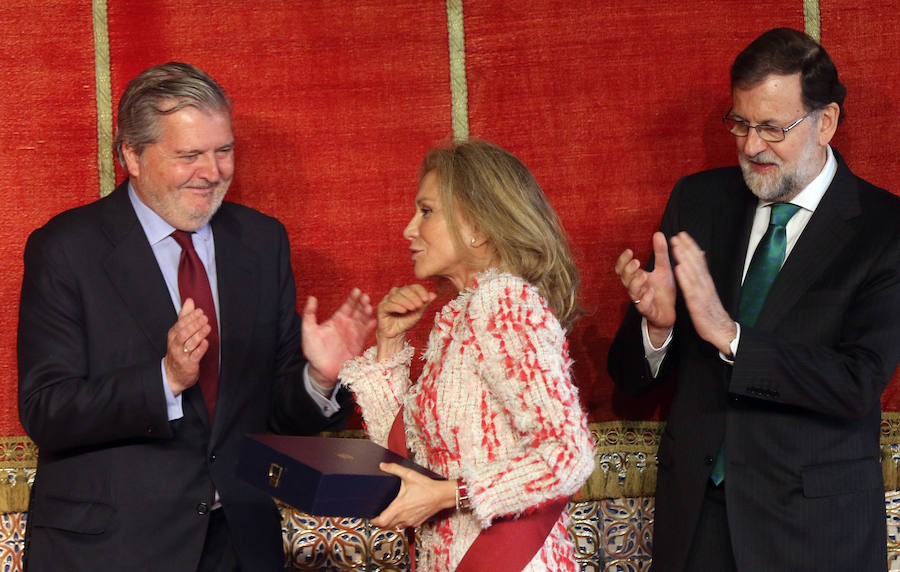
(710, 319)
(653, 293)
(186, 344)
(329, 344)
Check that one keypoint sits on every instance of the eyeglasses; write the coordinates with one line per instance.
(770, 133)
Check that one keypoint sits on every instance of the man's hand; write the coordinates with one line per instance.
(419, 498)
(186, 346)
(329, 344)
(653, 293)
(710, 319)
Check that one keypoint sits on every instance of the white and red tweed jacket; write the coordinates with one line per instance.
(495, 405)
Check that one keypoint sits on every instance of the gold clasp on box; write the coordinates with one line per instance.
(275, 471)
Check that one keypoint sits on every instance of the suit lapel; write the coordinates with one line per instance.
(829, 228)
(236, 270)
(133, 271)
(732, 222)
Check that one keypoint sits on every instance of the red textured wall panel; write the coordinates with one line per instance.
(335, 104)
(48, 145)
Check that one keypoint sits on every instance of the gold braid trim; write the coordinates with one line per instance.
(812, 22)
(18, 459)
(105, 162)
(625, 457)
(625, 460)
(890, 449)
(17, 453)
(458, 89)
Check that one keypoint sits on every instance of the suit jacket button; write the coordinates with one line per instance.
(212, 458)
(202, 508)
(150, 429)
(708, 459)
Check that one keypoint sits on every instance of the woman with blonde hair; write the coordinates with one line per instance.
(495, 410)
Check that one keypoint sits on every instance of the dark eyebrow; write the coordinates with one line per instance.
(768, 122)
(191, 151)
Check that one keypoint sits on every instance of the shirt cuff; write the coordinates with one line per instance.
(655, 356)
(173, 402)
(327, 404)
(733, 346)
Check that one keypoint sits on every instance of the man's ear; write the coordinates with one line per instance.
(132, 159)
(828, 122)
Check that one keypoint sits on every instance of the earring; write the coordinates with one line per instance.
(473, 241)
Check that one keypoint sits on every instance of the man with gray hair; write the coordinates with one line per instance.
(157, 326)
(782, 321)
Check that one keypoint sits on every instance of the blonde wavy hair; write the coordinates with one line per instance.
(496, 194)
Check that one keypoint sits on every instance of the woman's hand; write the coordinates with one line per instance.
(419, 498)
(397, 313)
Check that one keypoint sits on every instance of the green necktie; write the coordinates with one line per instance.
(767, 260)
(764, 266)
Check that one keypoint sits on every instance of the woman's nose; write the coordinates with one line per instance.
(412, 229)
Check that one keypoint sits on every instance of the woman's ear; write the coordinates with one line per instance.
(476, 239)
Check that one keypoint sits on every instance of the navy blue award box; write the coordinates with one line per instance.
(323, 476)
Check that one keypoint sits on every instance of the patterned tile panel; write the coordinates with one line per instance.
(613, 535)
(610, 535)
(12, 541)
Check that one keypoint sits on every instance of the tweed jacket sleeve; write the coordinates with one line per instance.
(538, 447)
(379, 387)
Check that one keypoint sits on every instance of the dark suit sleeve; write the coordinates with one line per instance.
(61, 403)
(294, 411)
(838, 348)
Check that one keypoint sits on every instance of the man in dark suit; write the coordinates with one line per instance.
(137, 450)
(770, 457)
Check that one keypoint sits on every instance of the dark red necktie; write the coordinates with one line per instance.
(193, 283)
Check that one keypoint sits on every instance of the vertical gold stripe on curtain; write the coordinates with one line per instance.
(458, 90)
(105, 161)
(811, 19)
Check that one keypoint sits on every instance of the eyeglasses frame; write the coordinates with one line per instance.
(784, 130)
